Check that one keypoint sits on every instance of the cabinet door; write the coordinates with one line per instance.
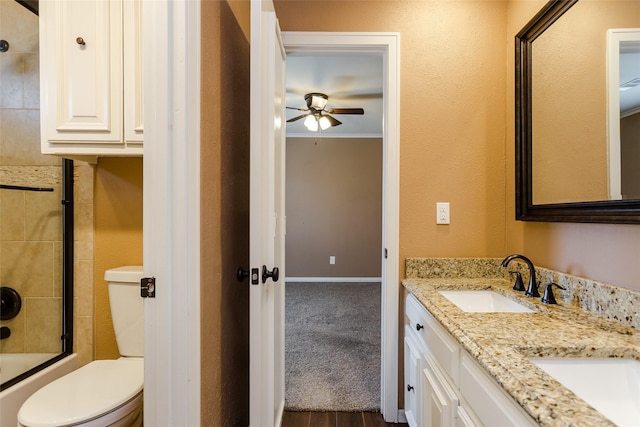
(490, 403)
(81, 69)
(412, 386)
(465, 419)
(440, 402)
(133, 87)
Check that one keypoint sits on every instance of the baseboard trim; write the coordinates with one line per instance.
(402, 418)
(333, 279)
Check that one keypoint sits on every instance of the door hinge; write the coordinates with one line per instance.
(148, 287)
(386, 253)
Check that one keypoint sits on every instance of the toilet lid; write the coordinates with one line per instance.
(86, 393)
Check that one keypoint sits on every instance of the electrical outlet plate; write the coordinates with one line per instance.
(442, 213)
(332, 260)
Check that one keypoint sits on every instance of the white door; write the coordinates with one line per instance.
(266, 219)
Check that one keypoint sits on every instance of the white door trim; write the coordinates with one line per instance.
(389, 45)
(171, 221)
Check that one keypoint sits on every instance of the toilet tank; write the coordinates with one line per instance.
(127, 309)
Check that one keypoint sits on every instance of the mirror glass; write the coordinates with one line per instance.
(574, 102)
(623, 61)
(569, 102)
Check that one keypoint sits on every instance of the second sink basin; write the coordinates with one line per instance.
(611, 386)
(484, 301)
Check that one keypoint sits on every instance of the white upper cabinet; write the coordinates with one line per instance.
(91, 77)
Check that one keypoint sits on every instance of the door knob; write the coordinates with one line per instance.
(242, 274)
(274, 274)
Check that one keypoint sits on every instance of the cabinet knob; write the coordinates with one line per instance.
(419, 326)
(80, 41)
(409, 387)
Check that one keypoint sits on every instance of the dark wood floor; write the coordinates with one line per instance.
(336, 419)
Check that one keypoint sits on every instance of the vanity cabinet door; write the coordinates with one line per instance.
(492, 405)
(465, 419)
(440, 399)
(412, 385)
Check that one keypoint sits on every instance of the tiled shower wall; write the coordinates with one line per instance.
(30, 222)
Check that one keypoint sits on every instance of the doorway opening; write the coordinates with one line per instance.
(371, 141)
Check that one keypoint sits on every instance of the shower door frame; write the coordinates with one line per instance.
(67, 273)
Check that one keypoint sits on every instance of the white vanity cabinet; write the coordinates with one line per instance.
(454, 391)
(91, 77)
(414, 349)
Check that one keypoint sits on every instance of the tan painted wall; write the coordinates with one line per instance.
(605, 252)
(334, 207)
(224, 213)
(118, 236)
(452, 107)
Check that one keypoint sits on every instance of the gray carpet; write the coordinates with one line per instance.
(332, 347)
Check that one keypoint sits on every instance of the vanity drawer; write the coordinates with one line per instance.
(416, 319)
(432, 336)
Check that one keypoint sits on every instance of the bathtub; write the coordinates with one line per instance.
(13, 397)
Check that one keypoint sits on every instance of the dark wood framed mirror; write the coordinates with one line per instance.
(546, 163)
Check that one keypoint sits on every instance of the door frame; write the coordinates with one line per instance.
(388, 44)
(171, 218)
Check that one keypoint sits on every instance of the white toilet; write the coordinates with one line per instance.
(103, 392)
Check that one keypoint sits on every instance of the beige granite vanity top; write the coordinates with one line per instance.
(501, 343)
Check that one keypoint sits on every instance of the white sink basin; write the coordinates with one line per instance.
(484, 302)
(611, 386)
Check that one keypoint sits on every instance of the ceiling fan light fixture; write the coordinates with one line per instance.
(311, 123)
(324, 122)
(316, 101)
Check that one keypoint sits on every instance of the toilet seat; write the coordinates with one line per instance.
(93, 391)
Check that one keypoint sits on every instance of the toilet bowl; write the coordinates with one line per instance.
(103, 392)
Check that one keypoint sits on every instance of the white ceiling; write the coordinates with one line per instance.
(350, 80)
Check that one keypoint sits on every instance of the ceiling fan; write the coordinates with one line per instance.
(317, 116)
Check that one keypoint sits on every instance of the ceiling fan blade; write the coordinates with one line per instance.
(297, 118)
(356, 95)
(299, 109)
(333, 121)
(346, 111)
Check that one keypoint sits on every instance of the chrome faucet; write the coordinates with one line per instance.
(532, 290)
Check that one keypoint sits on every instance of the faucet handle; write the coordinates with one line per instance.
(518, 285)
(548, 297)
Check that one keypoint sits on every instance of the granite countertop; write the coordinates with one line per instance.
(502, 343)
